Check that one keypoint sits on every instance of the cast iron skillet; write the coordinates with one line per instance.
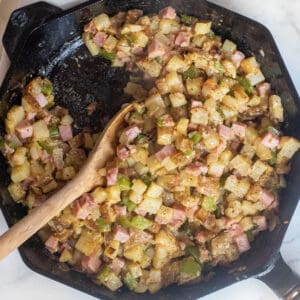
(41, 39)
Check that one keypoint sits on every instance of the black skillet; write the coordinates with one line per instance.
(41, 39)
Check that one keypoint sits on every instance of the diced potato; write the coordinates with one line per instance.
(257, 170)
(168, 181)
(113, 194)
(228, 46)
(276, 109)
(255, 78)
(112, 249)
(135, 270)
(20, 173)
(198, 40)
(167, 239)
(234, 209)
(89, 242)
(247, 223)
(162, 86)
(202, 27)
(13, 117)
(167, 26)
(19, 156)
(128, 28)
(226, 156)
(66, 120)
(135, 90)
(68, 173)
(254, 101)
(65, 256)
(216, 169)
(110, 43)
(153, 164)
(251, 135)
(211, 141)
(135, 197)
(229, 68)
(199, 116)
(101, 22)
(52, 185)
(165, 213)
(177, 99)
(249, 208)
(168, 164)
(135, 253)
(154, 190)
(140, 39)
(92, 47)
(150, 205)
(228, 113)
(188, 180)
(182, 126)
(248, 151)
(16, 191)
(165, 135)
(193, 86)
(289, 146)
(99, 194)
(262, 151)
(238, 187)
(140, 155)
(249, 65)
(110, 280)
(138, 186)
(154, 103)
(176, 64)
(161, 257)
(40, 131)
(151, 67)
(174, 82)
(241, 164)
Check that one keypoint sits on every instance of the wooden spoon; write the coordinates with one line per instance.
(84, 181)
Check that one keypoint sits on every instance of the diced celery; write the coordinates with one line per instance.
(250, 235)
(190, 266)
(209, 203)
(46, 146)
(102, 276)
(103, 226)
(140, 222)
(129, 204)
(93, 48)
(192, 251)
(195, 137)
(219, 66)
(273, 160)
(124, 221)
(147, 178)
(191, 73)
(185, 19)
(123, 182)
(107, 55)
(245, 84)
(53, 131)
(130, 281)
(47, 89)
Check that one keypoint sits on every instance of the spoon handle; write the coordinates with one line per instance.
(41, 215)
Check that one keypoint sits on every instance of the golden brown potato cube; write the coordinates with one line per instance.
(289, 146)
(20, 173)
(16, 191)
(257, 170)
(241, 164)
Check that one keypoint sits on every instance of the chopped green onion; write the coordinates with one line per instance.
(129, 281)
(195, 137)
(185, 19)
(54, 133)
(107, 55)
(188, 153)
(103, 226)
(190, 266)
(273, 160)
(140, 222)
(209, 203)
(123, 182)
(45, 145)
(47, 89)
(192, 251)
(191, 73)
(147, 178)
(245, 84)
(124, 221)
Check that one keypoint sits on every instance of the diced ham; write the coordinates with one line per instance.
(183, 39)
(45, 156)
(224, 132)
(195, 103)
(266, 197)
(41, 100)
(190, 212)
(91, 263)
(111, 176)
(30, 115)
(48, 119)
(235, 230)
(129, 134)
(120, 210)
(156, 49)
(65, 132)
(270, 140)
(117, 265)
(264, 89)
(83, 206)
(242, 242)
(261, 222)
(239, 129)
(166, 151)
(179, 214)
(27, 183)
(120, 234)
(122, 152)
(99, 38)
(52, 244)
(196, 169)
(24, 129)
(192, 127)
(237, 57)
(168, 13)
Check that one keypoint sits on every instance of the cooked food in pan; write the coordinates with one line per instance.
(197, 167)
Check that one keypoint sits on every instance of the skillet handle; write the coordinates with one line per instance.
(22, 22)
(282, 280)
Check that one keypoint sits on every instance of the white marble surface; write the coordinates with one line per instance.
(17, 282)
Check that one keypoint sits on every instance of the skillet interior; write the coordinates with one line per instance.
(56, 51)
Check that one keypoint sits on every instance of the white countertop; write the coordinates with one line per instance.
(17, 282)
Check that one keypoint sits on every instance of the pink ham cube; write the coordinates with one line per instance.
(41, 100)
(99, 38)
(168, 13)
(270, 140)
(237, 57)
(196, 169)
(91, 263)
(112, 176)
(83, 206)
(224, 132)
(52, 244)
(242, 242)
(165, 152)
(183, 39)
(24, 129)
(65, 132)
(121, 234)
(266, 197)
(239, 129)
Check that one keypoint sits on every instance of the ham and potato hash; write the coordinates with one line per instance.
(197, 166)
